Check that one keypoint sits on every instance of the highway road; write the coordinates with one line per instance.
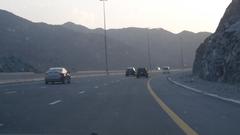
(114, 105)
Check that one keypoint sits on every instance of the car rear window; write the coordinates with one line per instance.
(166, 68)
(55, 70)
(141, 70)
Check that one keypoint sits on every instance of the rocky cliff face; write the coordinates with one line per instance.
(218, 58)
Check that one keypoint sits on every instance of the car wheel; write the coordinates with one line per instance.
(69, 81)
(64, 81)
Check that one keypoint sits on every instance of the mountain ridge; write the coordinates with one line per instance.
(79, 48)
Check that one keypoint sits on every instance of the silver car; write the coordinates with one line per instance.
(57, 74)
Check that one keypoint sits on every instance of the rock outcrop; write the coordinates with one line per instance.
(218, 58)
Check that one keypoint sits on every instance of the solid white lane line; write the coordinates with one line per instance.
(81, 92)
(205, 93)
(55, 102)
(10, 92)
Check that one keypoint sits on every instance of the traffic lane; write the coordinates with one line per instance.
(109, 105)
(18, 79)
(116, 109)
(29, 99)
(205, 114)
(125, 108)
(39, 87)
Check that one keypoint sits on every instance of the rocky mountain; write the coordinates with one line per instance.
(218, 58)
(80, 48)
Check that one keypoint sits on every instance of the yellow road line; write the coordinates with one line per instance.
(180, 123)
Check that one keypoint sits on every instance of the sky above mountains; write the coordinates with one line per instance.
(173, 15)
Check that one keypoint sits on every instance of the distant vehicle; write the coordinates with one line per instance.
(158, 68)
(142, 72)
(131, 71)
(57, 74)
(166, 70)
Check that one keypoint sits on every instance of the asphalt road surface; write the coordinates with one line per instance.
(114, 105)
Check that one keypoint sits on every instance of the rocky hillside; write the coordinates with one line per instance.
(218, 58)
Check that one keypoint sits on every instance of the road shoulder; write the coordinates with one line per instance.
(221, 91)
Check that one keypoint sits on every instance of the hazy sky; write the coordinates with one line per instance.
(172, 15)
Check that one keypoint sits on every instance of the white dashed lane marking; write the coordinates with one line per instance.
(1, 124)
(55, 102)
(43, 87)
(81, 92)
(96, 87)
(10, 92)
(117, 81)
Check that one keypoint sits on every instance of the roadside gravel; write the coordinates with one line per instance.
(221, 89)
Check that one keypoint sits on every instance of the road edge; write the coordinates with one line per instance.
(203, 92)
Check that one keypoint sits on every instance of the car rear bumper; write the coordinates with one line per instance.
(53, 79)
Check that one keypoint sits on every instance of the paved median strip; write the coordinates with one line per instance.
(13, 81)
(178, 121)
(204, 93)
(55, 102)
(20, 81)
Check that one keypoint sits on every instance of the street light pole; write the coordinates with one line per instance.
(105, 38)
(149, 50)
(182, 58)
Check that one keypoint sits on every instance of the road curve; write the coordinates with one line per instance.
(113, 105)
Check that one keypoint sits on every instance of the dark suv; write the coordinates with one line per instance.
(130, 71)
(142, 72)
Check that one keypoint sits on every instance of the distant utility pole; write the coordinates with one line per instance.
(181, 52)
(149, 50)
(105, 38)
